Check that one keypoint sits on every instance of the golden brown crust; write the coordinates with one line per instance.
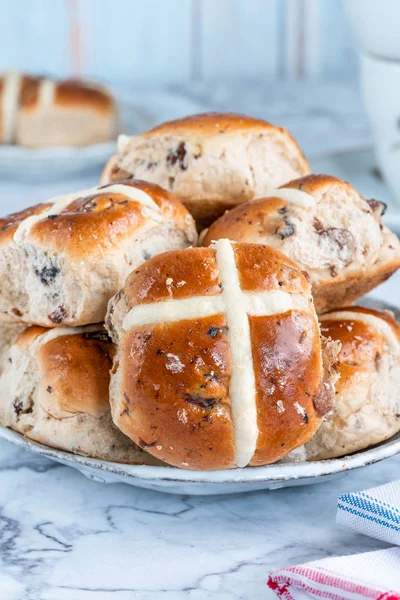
(214, 123)
(385, 315)
(194, 272)
(55, 390)
(206, 160)
(240, 221)
(9, 224)
(70, 93)
(29, 92)
(261, 216)
(95, 223)
(75, 372)
(260, 219)
(367, 393)
(287, 364)
(29, 334)
(361, 344)
(272, 270)
(170, 391)
(184, 421)
(312, 184)
(173, 275)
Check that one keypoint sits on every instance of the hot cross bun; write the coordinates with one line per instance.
(211, 161)
(40, 112)
(367, 407)
(54, 390)
(326, 227)
(60, 262)
(219, 361)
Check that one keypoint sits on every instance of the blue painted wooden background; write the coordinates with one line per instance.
(169, 42)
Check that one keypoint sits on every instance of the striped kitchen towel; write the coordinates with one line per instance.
(374, 512)
(370, 575)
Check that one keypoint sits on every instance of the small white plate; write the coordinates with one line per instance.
(181, 481)
(49, 164)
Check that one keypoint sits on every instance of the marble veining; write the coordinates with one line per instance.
(63, 537)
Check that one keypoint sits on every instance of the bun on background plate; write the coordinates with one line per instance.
(40, 112)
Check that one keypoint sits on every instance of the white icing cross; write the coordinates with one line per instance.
(60, 203)
(9, 105)
(57, 332)
(236, 305)
(292, 196)
(47, 90)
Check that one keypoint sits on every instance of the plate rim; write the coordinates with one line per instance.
(279, 472)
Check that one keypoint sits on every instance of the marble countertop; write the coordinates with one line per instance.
(63, 537)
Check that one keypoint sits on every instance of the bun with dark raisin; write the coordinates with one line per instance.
(327, 228)
(367, 408)
(211, 161)
(60, 262)
(219, 358)
(54, 390)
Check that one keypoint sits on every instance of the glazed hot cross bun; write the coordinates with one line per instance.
(54, 390)
(41, 112)
(324, 225)
(210, 161)
(219, 361)
(367, 408)
(60, 262)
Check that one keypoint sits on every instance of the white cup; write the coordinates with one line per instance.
(376, 24)
(381, 90)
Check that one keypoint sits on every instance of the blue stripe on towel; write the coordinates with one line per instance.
(372, 505)
(391, 506)
(368, 517)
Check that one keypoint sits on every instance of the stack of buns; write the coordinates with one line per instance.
(126, 337)
(40, 112)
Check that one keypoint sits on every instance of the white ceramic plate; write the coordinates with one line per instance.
(44, 164)
(180, 481)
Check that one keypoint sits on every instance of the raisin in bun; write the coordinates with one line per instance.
(367, 409)
(54, 390)
(60, 262)
(325, 226)
(210, 161)
(8, 334)
(219, 361)
(40, 112)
